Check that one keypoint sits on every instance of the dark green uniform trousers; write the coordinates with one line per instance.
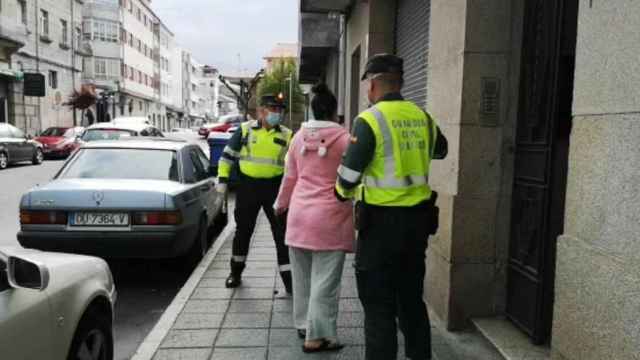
(390, 270)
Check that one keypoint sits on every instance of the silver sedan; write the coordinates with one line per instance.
(136, 198)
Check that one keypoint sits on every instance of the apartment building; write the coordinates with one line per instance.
(39, 37)
(131, 66)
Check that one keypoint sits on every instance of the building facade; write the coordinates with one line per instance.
(40, 37)
(135, 62)
(539, 211)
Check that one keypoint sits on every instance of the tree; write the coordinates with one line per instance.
(276, 82)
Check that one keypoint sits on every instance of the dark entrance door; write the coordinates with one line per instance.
(544, 125)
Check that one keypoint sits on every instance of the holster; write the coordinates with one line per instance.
(433, 214)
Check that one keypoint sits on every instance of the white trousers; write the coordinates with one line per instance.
(316, 291)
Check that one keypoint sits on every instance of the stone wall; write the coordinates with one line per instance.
(472, 41)
(45, 56)
(598, 277)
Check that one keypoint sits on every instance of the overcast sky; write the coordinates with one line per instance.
(216, 31)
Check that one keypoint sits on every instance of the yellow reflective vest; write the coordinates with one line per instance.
(398, 174)
(263, 151)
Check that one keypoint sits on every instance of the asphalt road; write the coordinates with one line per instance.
(145, 288)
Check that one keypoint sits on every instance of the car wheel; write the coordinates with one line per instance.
(199, 247)
(93, 339)
(4, 161)
(38, 157)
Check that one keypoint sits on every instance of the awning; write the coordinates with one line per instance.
(12, 74)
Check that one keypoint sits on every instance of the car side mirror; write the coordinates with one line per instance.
(27, 274)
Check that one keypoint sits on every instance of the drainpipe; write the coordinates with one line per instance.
(343, 66)
(37, 38)
(72, 38)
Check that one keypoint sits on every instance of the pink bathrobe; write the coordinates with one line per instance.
(316, 220)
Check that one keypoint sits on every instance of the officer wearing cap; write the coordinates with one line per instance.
(386, 169)
(260, 148)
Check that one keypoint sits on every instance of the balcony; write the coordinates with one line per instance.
(12, 37)
(319, 39)
(325, 6)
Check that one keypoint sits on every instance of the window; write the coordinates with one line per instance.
(78, 35)
(145, 20)
(65, 32)
(44, 22)
(16, 133)
(140, 105)
(53, 79)
(138, 14)
(22, 4)
(86, 29)
(121, 163)
(199, 173)
(100, 68)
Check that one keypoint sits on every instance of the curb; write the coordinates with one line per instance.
(151, 343)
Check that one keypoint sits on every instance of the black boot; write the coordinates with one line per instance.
(286, 280)
(235, 278)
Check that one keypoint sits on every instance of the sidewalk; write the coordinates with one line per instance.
(249, 323)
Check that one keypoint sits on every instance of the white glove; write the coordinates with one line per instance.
(222, 188)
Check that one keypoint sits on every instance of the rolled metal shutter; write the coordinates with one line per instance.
(412, 44)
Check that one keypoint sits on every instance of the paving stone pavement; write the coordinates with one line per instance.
(250, 323)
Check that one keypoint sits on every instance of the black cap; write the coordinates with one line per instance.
(272, 101)
(384, 63)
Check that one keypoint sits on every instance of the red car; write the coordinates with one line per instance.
(206, 129)
(59, 142)
(223, 125)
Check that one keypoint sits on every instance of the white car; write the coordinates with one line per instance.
(119, 130)
(55, 306)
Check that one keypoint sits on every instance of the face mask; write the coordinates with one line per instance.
(274, 119)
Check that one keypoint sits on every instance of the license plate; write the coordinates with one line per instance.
(99, 219)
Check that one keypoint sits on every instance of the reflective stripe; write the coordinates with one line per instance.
(225, 160)
(394, 182)
(230, 151)
(387, 140)
(239, 258)
(263, 161)
(283, 268)
(349, 175)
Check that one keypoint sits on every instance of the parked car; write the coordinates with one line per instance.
(118, 130)
(59, 142)
(227, 122)
(206, 129)
(132, 120)
(55, 306)
(140, 198)
(16, 147)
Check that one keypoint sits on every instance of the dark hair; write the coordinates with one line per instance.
(324, 103)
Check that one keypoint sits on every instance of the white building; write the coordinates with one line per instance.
(46, 33)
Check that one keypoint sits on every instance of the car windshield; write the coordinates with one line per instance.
(56, 132)
(106, 134)
(144, 164)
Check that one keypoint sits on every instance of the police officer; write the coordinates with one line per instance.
(386, 168)
(260, 146)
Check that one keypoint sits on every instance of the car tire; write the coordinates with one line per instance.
(38, 157)
(4, 161)
(93, 337)
(199, 246)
